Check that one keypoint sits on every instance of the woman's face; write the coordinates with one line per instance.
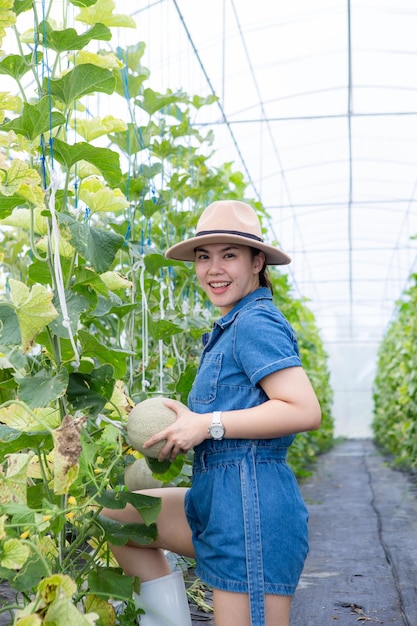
(227, 273)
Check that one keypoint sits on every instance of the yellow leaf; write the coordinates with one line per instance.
(56, 584)
(97, 127)
(107, 60)
(102, 11)
(114, 281)
(19, 173)
(33, 194)
(21, 219)
(9, 102)
(15, 480)
(65, 249)
(112, 200)
(85, 169)
(3, 520)
(7, 17)
(34, 310)
(14, 554)
(28, 620)
(15, 416)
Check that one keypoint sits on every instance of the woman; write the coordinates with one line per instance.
(243, 518)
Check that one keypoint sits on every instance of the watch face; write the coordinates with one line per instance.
(217, 431)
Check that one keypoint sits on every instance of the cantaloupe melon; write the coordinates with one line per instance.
(146, 419)
(139, 476)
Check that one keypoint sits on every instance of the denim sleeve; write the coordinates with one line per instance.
(264, 343)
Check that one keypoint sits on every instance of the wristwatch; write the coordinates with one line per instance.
(216, 429)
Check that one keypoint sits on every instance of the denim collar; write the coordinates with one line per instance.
(262, 293)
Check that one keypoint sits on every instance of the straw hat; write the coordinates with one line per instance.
(227, 221)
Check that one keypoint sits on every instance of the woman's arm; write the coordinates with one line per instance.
(292, 408)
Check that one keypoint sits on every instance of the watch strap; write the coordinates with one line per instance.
(217, 417)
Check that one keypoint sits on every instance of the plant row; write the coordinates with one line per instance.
(395, 389)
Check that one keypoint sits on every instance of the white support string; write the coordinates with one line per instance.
(180, 358)
(145, 331)
(59, 280)
(162, 288)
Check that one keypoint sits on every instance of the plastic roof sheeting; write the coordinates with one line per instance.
(318, 107)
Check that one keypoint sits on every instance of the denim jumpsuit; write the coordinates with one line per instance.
(247, 516)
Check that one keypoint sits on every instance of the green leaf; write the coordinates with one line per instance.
(68, 39)
(91, 347)
(154, 262)
(85, 276)
(158, 467)
(9, 326)
(163, 329)
(106, 160)
(7, 434)
(111, 582)
(90, 392)
(97, 246)
(76, 305)
(83, 3)
(136, 138)
(20, 6)
(8, 203)
(132, 56)
(119, 533)
(129, 86)
(148, 507)
(35, 119)
(39, 390)
(17, 66)
(82, 80)
(153, 101)
(12, 440)
(185, 382)
(32, 572)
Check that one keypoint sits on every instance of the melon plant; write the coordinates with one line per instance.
(395, 386)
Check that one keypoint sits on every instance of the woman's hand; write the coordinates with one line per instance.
(188, 430)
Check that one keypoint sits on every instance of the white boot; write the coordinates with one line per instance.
(164, 601)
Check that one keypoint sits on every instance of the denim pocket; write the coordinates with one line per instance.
(206, 383)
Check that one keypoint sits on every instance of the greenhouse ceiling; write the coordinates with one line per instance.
(318, 108)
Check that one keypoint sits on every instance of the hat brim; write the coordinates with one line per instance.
(185, 250)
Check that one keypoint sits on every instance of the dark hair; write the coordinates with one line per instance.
(264, 280)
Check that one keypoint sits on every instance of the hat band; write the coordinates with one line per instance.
(229, 232)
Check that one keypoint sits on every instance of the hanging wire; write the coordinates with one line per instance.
(162, 288)
(51, 189)
(58, 275)
(140, 266)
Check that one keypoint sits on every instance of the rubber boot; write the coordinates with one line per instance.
(164, 601)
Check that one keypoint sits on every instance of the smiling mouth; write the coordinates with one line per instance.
(219, 285)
